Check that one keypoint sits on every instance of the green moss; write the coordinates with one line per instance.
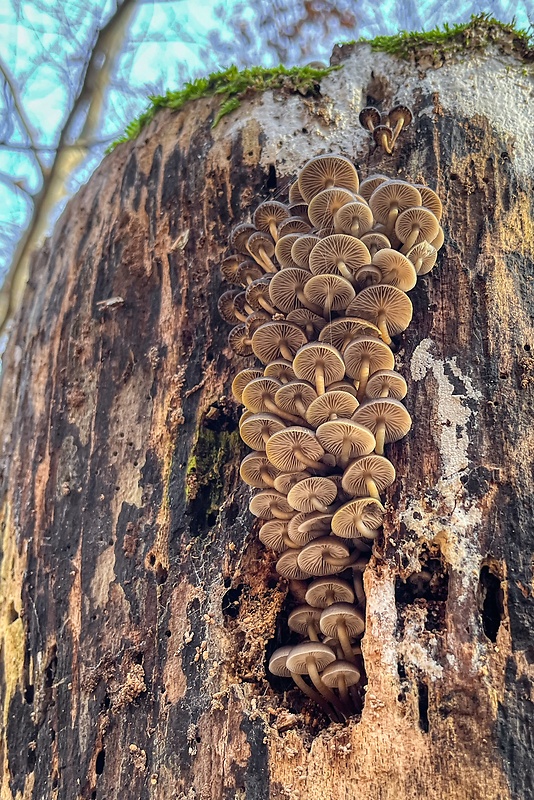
(232, 85)
(481, 31)
(205, 479)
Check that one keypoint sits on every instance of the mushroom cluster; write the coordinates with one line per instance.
(386, 131)
(320, 290)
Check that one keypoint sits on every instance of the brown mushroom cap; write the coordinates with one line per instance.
(322, 556)
(375, 241)
(340, 332)
(369, 117)
(399, 117)
(285, 481)
(323, 172)
(254, 320)
(345, 439)
(239, 341)
(386, 383)
(257, 429)
(423, 256)
(383, 136)
(390, 199)
(416, 225)
(365, 355)
(294, 225)
(268, 216)
(294, 194)
(331, 405)
(360, 517)
(227, 309)
(429, 199)
(287, 290)
(311, 323)
(303, 528)
(319, 363)
(294, 448)
(287, 566)
(325, 205)
(301, 249)
(339, 254)
(368, 476)
(295, 397)
(312, 494)
(242, 308)
(345, 613)
(269, 504)
(277, 662)
(305, 620)
(276, 340)
(257, 296)
(342, 386)
(230, 268)
(239, 236)
(256, 470)
(280, 369)
(322, 592)
(241, 380)
(368, 186)
(273, 534)
(438, 241)
(321, 654)
(248, 271)
(282, 250)
(395, 269)
(299, 210)
(386, 306)
(340, 674)
(261, 248)
(257, 391)
(387, 418)
(331, 292)
(354, 219)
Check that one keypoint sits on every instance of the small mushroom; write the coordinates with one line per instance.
(269, 504)
(287, 293)
(254, 320)
(389, 199)
(239, 236)
(323, 172)
(375, 241)
(326, 555)
(269, 215)
(423, 256)
(273, 534)
(339, 254)
(312, 494)
(295, 397)
(310, 658)
(325, 205)
(277, 340)
(438, 241)
(369, 117)
(294, 194)
(416, 225)
(295, 448)
(341, 332)
(361, 517)
(305, 620)
(383, 136)
(345, 439)
(386, 383)
(256, 470)
(345, 622)
(287, 566)
(342, 675)
(387, 307)
(293, 225)
(387, 418)
(429, 199)
(323, 592)
(354, 219)
(240, 381)
(278, 666)
(395, 269)
(301, 249)
(365, 355)
(320, 364)
(368, 186)
(259, 395)
(257, 429)
(240, 341)
(311, 323)
(331, 292)
(258, 297)
(399, 117)
(282, 250)
(280, 369)
(303, 528)
(368, 476)
(285, 481)
(299, 210)
(331, 406)
(248, 272)
(227, 309)
(261, 248)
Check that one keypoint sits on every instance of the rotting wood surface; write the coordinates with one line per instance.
(136, 601)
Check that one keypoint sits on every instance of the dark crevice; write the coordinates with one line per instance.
(272, 181)
(100, 762)
(231, 601)
(422, 691)
(491, 603)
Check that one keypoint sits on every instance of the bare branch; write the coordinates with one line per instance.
(69, 154)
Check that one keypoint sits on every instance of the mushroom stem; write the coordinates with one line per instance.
(411, 240)
(301, 408)
(318, 506)
(307, 303)
(396, 131)
(312, 633)
(328, 304)
(274, 409)
(299, 455)
(281, 514)
(319, 379)
(391, 220)
(266, 262)
(358, 588)
(290, 543)
(386, 146)
(273, 230)
(342, 562)
(363, 378)
(266, 305)
(322, 688)
(380, 435)
(264, 474)
(345, 271)
(240, 316)
(381, 324)
(371, 488)
(285, 351)
(345, 454)
(344, 694)
(344, 641)
(365, 531)
(385, 391)
(313, 695)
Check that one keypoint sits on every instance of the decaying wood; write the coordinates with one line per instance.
(136, 602)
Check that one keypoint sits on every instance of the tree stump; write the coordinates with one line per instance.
(138, 606)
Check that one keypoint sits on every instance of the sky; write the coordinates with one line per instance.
(44, 48)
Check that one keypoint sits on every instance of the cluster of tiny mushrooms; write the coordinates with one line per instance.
(320, 289)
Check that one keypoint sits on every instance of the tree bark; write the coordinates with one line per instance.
(137, 605)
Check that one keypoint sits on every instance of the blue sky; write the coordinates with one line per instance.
(43, 48)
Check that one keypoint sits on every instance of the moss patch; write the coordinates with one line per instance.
(232, 85)
(482, 30)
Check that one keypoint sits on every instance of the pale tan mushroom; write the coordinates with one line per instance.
(368, 186)
(326, 555)
(429, 199)
(259, 395)
(277, 340)
(365, 355)
(240, 341)
(294, 225)
(287, 566)
(311, 323)
(386, 383)
(323, 172)
(240, 381)
(258, 297)
(423, 256)
(416, 225)
(257, 471)
(278, 666)
(387, 418)
(301, 249)
(399, 117)
(343, 675)
(325, 205)
(287, 293)
(257, 429)
(339, 254)
(331, 292)
(311, 658)
(227, 308)
(354, 219)
(395, 269)
(273, 534)
(303, 528)
(270, 504)
(295, 397)
(282, 250)
(383, 136)
(368, 476)
(269, 215)
(295, 448)
(312, 494)
(341, 332)
(331, 406)
(305, 620)
(323, 592)
(280, 369)
(239, 236)
(320, 364)
(345, 439)
(386, 306)
(285, 481)
(375, 241)
(361, 517)
(261, 248)
(389, 199)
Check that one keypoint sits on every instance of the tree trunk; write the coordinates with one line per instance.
(137, 603)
